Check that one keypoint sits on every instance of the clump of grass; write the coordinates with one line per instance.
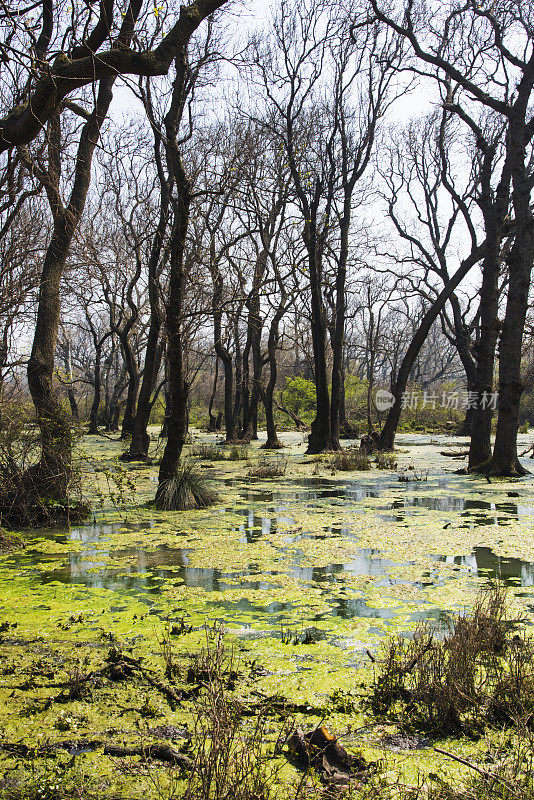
(212, 452)
(385, 461)
(478, 673)
(269, 468)
(238, 453)
(353, 459)
(411, 475)
(209, 452)
(187, 490)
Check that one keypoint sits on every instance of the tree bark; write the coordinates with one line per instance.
(178, 387)
(504, 460)
(387, 435)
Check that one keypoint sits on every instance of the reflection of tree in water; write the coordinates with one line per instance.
(142, 571)
(485, 511)
(484, 562)
(257, 525)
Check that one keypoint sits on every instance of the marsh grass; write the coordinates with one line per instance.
(269, 468)
(187, 490)
(238, 453)
(213, 452)
(476, 675)
(385, 461)
(209, 452)
(353, 459)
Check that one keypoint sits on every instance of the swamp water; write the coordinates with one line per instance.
(350, 557)
(305, 573)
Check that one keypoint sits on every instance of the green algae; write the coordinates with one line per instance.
(355, 557)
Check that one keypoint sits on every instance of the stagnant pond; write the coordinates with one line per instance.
(348, 557)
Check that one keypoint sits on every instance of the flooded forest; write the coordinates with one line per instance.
(266, 400)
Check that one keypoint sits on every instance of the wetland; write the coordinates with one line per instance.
(304, 577)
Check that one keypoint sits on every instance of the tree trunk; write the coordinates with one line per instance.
(254, 331)
(223, 353)
(212, 426)
(480, 447)
(267, 393)
(338, 338)
(133, 386)
(387, 436)
(320, 437)
(238, 400)
(95, 406)
(53, 472)
(178, 387)
(140, 442)
(504, 460)
(68, 375)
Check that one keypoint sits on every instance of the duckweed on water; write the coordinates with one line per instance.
(355, 558)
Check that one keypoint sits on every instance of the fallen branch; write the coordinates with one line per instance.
(488, 775)
(161, 752)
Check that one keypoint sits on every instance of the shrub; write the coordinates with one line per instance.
(477, 673)
(385, 461)
(187, 490)
(267, 468)
(29, 495)
(353, 459)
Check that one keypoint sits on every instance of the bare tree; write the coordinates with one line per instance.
(483, 61)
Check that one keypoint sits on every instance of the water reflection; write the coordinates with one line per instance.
(263, 512)
(484, 562)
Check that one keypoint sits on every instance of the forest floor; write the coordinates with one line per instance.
(300, 578)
